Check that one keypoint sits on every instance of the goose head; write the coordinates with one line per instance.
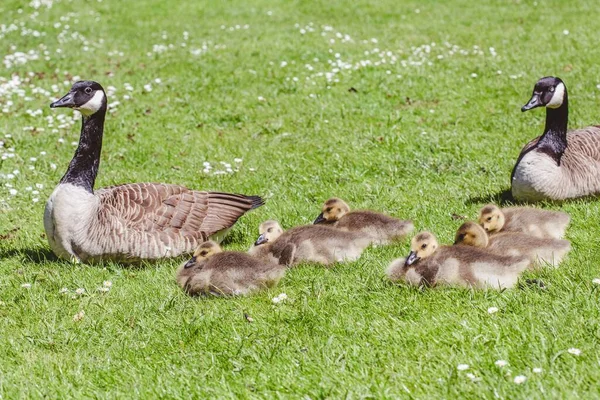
(333, 209)
(549, 92)
(268, 231)
(88, 97)
(471, 234)
(491, 218)
(204, 251)
(423, 245)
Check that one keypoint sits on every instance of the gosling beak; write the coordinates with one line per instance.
(65, 101)
(412, 258)
(533, 103)
(320, 219)
(261, 239)
(190, 263)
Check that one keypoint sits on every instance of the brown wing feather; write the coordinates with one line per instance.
(171, 215)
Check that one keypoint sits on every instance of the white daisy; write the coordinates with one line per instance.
(462, 367)
(520, 379)
(574, 351)
(501, 363)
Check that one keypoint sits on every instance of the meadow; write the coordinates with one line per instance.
(410, 108)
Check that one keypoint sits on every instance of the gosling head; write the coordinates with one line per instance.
(471, 234)
(422, 246)
(549, 91)
(86, 96)
(491, 218)
(333, 209)
(268, 231)
(204, 251)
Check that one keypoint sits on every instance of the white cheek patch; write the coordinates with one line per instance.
(93, 105)
(558, 97)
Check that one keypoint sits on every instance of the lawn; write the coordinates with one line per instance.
(410, 108)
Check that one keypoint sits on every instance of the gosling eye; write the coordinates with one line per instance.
(88, 90)
(489, 218)
(461, 236)
(328, 209)
(270, 230)
(424, 245)
(203, 252)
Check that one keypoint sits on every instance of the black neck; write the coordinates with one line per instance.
(83, 168)
(554, 140)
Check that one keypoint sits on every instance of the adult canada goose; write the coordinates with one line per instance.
(313, 243)
(549, 251)
(557, 165)
(214, 271)
(430, 264)
(532, 221)
(129, 222)
(382, 228)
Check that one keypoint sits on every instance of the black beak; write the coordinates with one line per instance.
(412, 258)
(261, 239)
(65, 101)
(534, 102)
(190, 263)
(320, 219)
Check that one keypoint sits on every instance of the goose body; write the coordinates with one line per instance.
(462, 266)
(309, 243)
(558, 165)
(131, 222)
(384, 229)
(532, 221)
(217, 272)
(537, 250)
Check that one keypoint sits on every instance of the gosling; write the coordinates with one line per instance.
(226, 273)
(535, 222)
(539, 251)
(309, 243)
(382, 228)
(431, 265)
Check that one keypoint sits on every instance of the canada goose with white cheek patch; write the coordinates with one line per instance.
(382, 228)
(430, 264)
(226, 273)
(131, 222)
(308, 243)
(539, 251)
(532, 221)
(557, 165)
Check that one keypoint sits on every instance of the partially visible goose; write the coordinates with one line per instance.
(557, 165)
(382, 228)
(532, 221)
(430, 265)
(214, 271)
(312, 243)
(132, 222)
(548, 251)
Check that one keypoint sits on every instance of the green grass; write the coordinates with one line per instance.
(345, 332)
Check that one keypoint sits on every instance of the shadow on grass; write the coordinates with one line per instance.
(503, 197)
(35, 256)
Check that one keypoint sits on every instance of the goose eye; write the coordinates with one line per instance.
(424, 245)
(88, 90)
(551, 89)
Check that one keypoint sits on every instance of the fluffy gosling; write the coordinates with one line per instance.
(214, 271)
(533, 221)
(430, 264)
(382, 228)
(537, 250)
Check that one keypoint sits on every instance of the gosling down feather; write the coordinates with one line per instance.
(131, 222)
(308, 243)
(557, 165)
(214, 271)
(537, 250)
(532, 221)
(430, 264)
